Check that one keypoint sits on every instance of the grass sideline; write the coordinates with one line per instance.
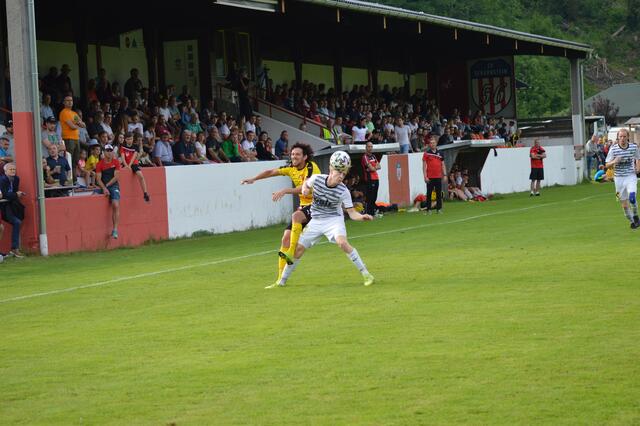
(522, 310)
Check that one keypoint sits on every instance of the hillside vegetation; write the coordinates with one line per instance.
(612, 28)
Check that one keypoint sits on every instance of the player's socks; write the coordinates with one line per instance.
(288, 270)
(357, 260)
(296, 230)
(628, 214)
(281, 262)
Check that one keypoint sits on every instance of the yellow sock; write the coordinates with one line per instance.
(296, 230)
(281, 263)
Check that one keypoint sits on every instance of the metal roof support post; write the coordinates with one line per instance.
(577, 105)
(23, 65)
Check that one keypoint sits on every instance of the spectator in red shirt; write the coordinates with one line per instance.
(434, 171)
(537, 154)
(129, 159)
(107, 171)
(370, 167)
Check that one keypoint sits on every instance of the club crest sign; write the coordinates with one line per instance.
(491, 86)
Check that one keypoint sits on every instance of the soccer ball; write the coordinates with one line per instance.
(340, 161)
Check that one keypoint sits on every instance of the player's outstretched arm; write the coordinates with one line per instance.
(354, 215)
(279, 194)
(264, 175)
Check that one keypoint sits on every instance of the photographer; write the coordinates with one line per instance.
(537, 154)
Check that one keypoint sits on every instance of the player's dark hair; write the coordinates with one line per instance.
(306, 149)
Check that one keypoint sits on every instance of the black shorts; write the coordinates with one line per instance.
(307, 213)
(135, 168)
(536, 174)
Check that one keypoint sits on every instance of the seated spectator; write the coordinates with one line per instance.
(59, 166)
(135, 126)
(261, 148)
(230, 148)
(145, 148)
(282, 146)
(162, 152)
(201, 148)
(194, 125)
(249, 147)
(50, 137)
(107, 176)
(49, 181)
(214, 147)
(184, 151)
(93, 158)
(83, 176)
(12, 211)
(454, 190)
(129, 160)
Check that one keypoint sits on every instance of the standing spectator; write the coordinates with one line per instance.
(133, 86)
(107, 171)
(282, 145)
(537, 154)
(49, 85)
(63, 82)
(434, 171)
(243, 95)
(162, 152)
(403, 134)
(13, 211)
(103, 87)
(129, 159)
(370, 167)
(71, 124)
(591, 151)
(58, 165)
(45, 108)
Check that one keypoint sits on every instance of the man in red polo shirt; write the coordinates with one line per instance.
(537, 154)
(370, 167)
(434, 171)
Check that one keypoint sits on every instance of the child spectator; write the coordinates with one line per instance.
(107, 175)
(81, 171)
(129, 159)
(92, 160)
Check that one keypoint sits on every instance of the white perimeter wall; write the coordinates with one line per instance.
(209, 197)
(509, 171)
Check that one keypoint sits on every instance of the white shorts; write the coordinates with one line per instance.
(330, 227)
(625, 185)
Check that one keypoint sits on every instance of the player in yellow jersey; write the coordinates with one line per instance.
(300, 167)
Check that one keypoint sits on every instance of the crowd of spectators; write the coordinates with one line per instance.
(388, 116)
(166, 129)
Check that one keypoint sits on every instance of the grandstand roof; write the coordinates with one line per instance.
(385, 10)
(624, 96)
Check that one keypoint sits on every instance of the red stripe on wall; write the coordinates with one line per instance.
(82, 223)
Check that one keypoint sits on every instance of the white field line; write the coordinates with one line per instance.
(262, 253)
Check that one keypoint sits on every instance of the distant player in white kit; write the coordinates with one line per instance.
(330, 195)
(624, 157)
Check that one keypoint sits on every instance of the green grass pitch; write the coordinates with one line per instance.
(515, 311)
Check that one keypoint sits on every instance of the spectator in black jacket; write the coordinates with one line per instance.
(12, 211)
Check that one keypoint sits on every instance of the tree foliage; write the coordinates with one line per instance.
(589, 21)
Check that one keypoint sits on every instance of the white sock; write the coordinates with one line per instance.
(288, 270)
(357, 260)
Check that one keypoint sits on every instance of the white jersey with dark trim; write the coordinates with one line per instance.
(628, 156)
(328, 201)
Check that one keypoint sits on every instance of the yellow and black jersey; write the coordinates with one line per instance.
(298, 176)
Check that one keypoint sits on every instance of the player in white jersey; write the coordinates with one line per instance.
(624, 157)
(330, 195)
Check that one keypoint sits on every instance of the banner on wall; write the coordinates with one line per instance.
(492, 86)
(398, 173)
